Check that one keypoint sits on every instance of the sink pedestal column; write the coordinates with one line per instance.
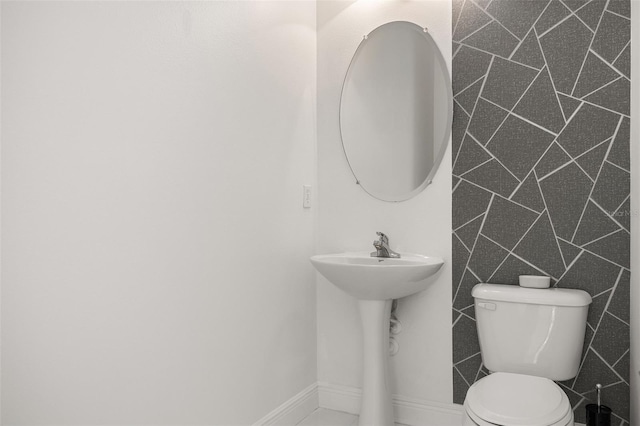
(376, 408)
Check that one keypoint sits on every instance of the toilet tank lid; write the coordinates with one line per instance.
(535, 296)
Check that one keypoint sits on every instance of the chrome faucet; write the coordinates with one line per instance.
(382, 247)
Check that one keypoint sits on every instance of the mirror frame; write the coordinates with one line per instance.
(444, 143)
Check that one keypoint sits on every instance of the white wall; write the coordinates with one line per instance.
(348, 217)
(635, 217)
(155, 249)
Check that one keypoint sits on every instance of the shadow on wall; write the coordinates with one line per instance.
(541, 171)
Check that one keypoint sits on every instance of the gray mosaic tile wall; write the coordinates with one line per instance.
(541, 171)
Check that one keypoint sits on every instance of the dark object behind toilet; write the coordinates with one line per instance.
(598, 414)
(598, 417)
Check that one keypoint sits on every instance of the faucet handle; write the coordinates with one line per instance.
(383, 237)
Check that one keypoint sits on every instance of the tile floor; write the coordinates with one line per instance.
(326, 417)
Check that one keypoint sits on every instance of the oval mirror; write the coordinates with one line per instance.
(395, 111)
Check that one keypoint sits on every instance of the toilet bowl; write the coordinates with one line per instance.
(517, 400)
(528, 338)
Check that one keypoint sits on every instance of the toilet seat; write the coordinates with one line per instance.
(517, 400)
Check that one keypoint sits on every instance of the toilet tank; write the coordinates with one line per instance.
(539, 332)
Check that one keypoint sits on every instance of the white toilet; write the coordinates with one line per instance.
(528, 338)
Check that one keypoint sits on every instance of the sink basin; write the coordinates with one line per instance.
(375, 281)
(374, 278)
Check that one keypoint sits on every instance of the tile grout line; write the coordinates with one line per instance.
(593, 37)
(499, 125)
(606, 306)
(596, 146)
(510, 252)
(460, 105)
(500, 56)
(501, 196)
(620, 77)
(455, 27)
(553, 228)
(506, 29)
(584, 23)
(553, 84)
(456, 185)
(610, 65)
(557, 168)
(532, 29)
(466, 266)
(584, 246)
(605, 108)
(464, 272)
(463, 378)
(601, 293)
(499, 23)
(620, 206)
(573, 13)
(476, 167)
(457, 319)
(520, 43)
(596, 179)
(533, 123)
(473, 273)
(575, 111)
(520, 204)
(517, 188)
(622, 321)
(555, 93)
(610, 367)
(616, 166)
(467, 358)
(584, 171)
(467, 88)
(617, 14)
(604, 258)
(470, 120)
(461, 41)
(455, 52)
(583, 6)
(468, 222)
(517, 256)
(595, 331)
(455, 157)
(484, 82)
(573, 161)
(475, 379)
(510, 112)
(461, 242)
(533, 80)
(462, 314)
(609, 214)
(560, 22)
(573, 262)
(466, 130)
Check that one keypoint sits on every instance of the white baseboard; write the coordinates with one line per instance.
(408, 411)
(294, 410)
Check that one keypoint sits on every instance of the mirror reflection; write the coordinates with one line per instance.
(395, 111)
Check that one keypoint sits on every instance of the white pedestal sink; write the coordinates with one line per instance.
(375, 282)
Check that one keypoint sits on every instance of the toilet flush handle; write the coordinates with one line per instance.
(486, 305)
